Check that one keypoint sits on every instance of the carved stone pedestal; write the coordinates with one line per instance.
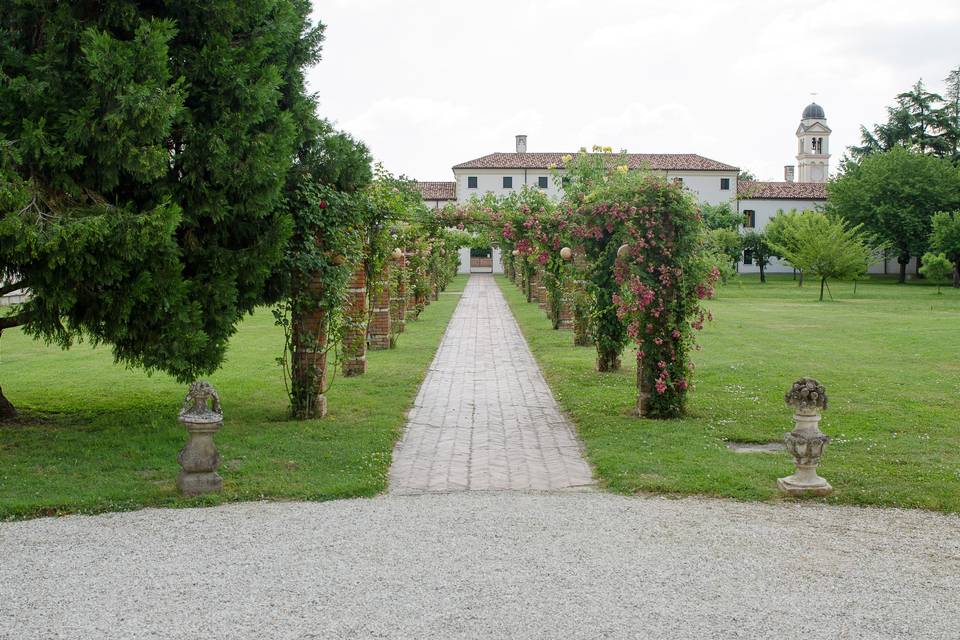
(806, 442)
(199, 458)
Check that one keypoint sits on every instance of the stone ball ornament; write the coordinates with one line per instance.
(623, 250)
(807, 394)
(516, 252)
(566, 254)
(397, 253)
(339, 259)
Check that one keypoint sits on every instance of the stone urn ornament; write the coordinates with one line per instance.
(566, 254)
(806, 442)
(199, 458)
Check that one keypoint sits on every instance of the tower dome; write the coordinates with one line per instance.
(813, 110)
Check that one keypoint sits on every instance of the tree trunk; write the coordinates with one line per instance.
(822, 282)
(763, 276)
(956, 276)
(7, 411)
(903, 268)
(800, 284)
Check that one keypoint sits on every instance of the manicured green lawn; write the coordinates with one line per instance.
(102, 438)
(889, 357)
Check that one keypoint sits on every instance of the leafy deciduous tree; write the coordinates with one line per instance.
(824, 246)
(894, 195)
(936, 268)
(760, 250)
(945, 238)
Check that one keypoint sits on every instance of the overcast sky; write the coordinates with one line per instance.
(431, 83)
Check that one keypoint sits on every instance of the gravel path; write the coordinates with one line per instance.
(482, 565)
(484, 417)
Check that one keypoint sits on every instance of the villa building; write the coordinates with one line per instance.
(503, 173)
(713, 182)
(437, 195)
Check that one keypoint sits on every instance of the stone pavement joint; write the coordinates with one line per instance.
(484, 418)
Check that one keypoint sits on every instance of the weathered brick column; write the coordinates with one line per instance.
(355, 336)
(309, 357)
(541, 293)
(532, 284)
(379, 330)
(566, 312)
(398, 295)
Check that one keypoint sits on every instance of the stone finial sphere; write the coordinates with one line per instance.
(806, 394)
(566, 253)
(623, 250)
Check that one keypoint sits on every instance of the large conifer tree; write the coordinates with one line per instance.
(143, 151)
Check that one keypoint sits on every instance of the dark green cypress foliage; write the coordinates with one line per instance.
(144, 147)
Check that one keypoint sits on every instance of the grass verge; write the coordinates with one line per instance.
(889, 356)
(97, 437)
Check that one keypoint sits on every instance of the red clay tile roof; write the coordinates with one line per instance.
(438, 190)
(662, 161)
(748, 190)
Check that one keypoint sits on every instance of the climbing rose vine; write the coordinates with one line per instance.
(652, 232)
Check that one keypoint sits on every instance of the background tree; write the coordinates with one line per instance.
(924, 119)
(894, 195)
(945, 239)
(720, 216)
(936, 268)
(950, 115)
(144, 155)
(778, 232)
(826, 247)
(745, 175)
(726, 247)
(920, 121)
(760, 250)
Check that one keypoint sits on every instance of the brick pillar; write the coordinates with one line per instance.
(309, 357)
(566, 312)
(532, 284)
(379, 330)
(355, 336)
(398, 299)
(541, 293)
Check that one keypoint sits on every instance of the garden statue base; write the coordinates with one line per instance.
(805, 481)
(199, 458)
(195, 484)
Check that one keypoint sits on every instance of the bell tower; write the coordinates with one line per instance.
(813, 145)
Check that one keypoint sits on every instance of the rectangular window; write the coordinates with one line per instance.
(748, 257)
(542, 182)
(725, 184)
(678, 180)
(471, 182)
(565, 181)
(508, 182)
(749, 219)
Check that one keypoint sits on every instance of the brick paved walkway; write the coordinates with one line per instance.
(484, 417)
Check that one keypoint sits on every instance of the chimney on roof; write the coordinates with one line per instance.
(521, 143)
(788, 173)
